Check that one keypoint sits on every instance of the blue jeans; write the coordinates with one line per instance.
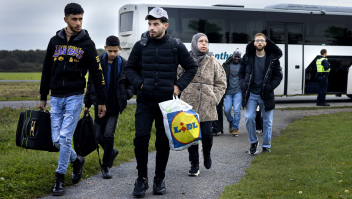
(64, 115)
(250, 113)
(235, 101)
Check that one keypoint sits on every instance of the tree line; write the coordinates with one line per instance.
(24, 61)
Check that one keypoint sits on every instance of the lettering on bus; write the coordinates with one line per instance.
(222, 55)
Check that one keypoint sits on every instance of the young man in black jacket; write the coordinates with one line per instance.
(69, 54)
(260, 73)
(152, 69)
(118, 91)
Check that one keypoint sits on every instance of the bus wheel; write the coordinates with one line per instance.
(350, 96)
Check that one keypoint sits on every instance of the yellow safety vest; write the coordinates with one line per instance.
(320, 68)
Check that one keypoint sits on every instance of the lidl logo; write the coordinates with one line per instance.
(185, 127)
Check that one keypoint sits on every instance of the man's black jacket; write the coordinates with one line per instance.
(120, 89)
(272, 77)
(66, 64)
(153, 63)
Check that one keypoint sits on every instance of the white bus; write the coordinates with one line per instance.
(301, 31)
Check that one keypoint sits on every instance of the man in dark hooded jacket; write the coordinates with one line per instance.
(152, 69)
(260, 74)
(68, 56)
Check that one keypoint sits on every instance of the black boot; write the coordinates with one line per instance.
(59, 189)
(77, 169)
(115, 152)
(106, 172)
(207, 159)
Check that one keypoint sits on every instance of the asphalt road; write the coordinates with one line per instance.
(229, 161)
(281, 102)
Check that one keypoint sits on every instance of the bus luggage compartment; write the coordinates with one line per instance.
(339, 68)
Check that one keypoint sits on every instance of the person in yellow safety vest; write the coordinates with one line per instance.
(323, 69)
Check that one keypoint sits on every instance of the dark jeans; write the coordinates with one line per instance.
(207, 142)
(146, 113)
(105, 134)
(323, 87)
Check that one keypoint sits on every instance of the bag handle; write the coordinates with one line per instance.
(175, 97)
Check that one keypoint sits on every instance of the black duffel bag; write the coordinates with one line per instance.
(34, 131)
(84, 140)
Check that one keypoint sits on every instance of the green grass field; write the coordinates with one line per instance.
(310, 159)
(21, 76)
(30, 173)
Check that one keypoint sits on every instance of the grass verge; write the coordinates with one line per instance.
(30, 173)
(310, 159)
(21, 76)
(19, 91)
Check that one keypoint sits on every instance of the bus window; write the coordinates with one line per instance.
(277, 33)
(173, 28)
(244, 25)
(349, 35)
(325, 30)
(213, 23)
(295, 35)
(126, 21)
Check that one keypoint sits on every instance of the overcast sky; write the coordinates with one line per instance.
(29, 24)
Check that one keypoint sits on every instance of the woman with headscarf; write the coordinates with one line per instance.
(204, 93)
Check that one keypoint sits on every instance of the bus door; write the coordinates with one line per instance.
(289, 38)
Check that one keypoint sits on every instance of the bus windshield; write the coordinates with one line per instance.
(126, 21)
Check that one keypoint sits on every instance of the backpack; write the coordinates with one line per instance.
(84, 140)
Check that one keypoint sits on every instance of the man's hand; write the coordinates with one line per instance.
(176, 90)
(101, 111)
(42, 105)
(86, 110)
(141, 86)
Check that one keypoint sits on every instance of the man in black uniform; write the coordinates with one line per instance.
(152, 69)
(323, 69)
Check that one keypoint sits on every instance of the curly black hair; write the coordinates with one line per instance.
(73, 8)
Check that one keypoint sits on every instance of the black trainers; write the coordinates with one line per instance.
(106, 172)
(266, 149)
(194, 169)
(159, 186)
(77, 169)
(115, 152)
(254, 148)
(140, 186)
(59, 189)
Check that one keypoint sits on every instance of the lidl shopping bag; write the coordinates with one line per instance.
(181, 124)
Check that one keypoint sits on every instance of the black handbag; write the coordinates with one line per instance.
(34, 131)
